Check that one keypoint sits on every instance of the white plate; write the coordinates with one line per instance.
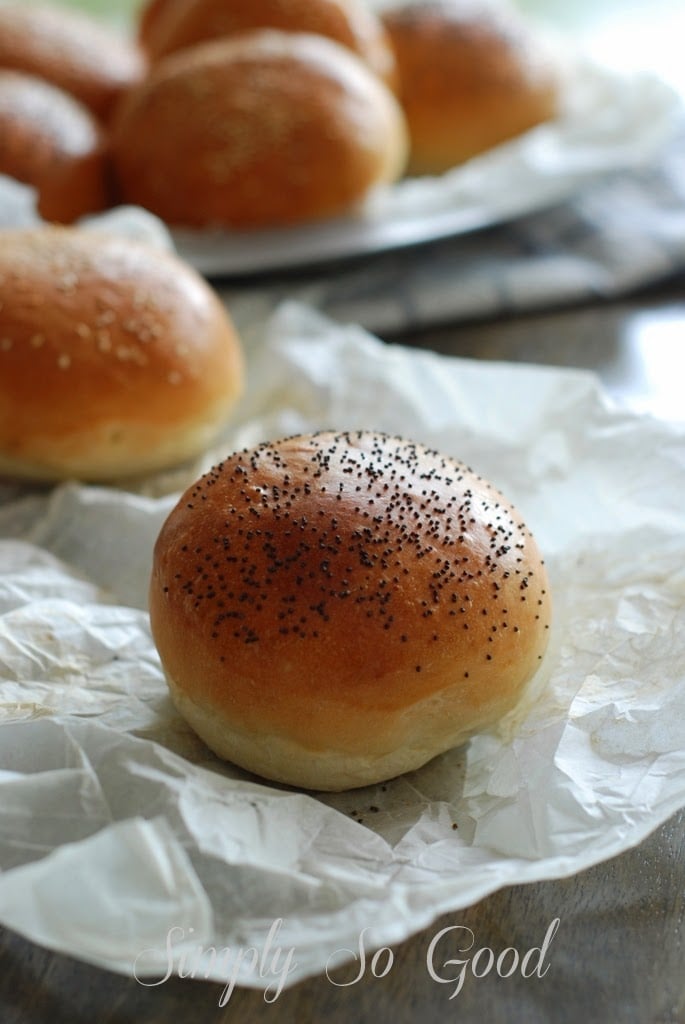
(610, 122)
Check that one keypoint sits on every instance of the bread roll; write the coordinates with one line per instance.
(51, 141)
(115, 358)
(264, 129)
(471, 75)
(176, 25)
(73, 51)
(332, 610)
(149, 17)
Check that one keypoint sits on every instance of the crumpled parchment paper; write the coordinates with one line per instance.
(124, 842)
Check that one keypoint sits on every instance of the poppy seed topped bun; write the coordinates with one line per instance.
(116, 358)
(264, 129)
(332, 610)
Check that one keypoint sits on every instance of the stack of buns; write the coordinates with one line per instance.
(467, 75)
(243, 115)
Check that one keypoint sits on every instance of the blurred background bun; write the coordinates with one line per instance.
(261, 129)
(169, 25)
(471, 75)
(86, 58)
(148, 18)
(51, 141)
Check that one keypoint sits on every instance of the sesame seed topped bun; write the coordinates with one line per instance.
(332, 610)
(264, 129)
(116, 359)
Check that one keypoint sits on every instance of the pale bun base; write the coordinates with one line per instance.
(117, 449)
(284, 760)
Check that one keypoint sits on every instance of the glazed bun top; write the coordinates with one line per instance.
(334, 609)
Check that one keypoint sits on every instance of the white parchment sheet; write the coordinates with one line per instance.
(118, 828)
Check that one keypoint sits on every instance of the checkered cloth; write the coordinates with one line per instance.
(622, 233)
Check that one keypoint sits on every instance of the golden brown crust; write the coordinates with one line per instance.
(269, 128)
(175, 26)
(51, 141)
(149, 17)
(73, 51)
(339, 605)
(115, 358)
(470, 77)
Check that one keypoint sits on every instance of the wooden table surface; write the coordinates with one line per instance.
(618, 954)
